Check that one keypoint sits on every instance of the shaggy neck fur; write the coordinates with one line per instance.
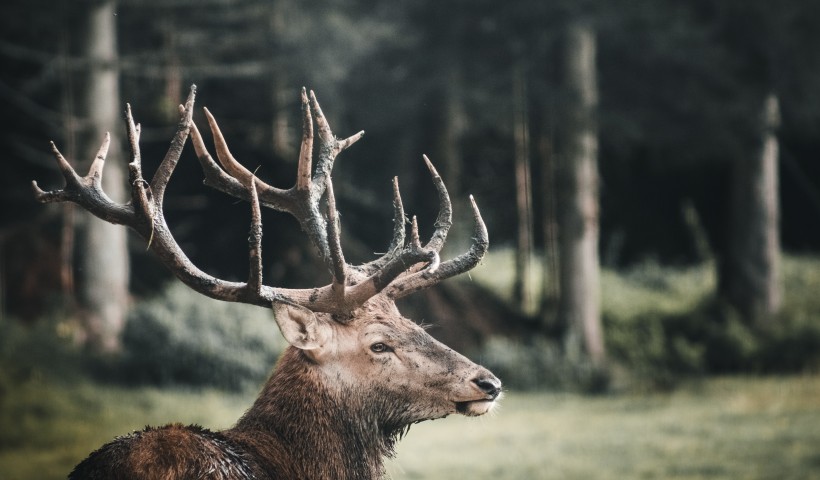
(310, 430)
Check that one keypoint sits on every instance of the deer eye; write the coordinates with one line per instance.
(380, 347)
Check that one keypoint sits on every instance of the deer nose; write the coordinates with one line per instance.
(489, 385)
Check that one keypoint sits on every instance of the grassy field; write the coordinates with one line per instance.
(720, 429)
(730, 428)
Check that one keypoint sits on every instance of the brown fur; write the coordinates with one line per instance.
(171, 452)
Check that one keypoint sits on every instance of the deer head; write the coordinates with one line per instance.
(352, 355)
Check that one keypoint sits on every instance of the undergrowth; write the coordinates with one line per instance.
(664, 324)
(177, 338)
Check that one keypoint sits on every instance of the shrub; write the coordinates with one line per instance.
(41, 349)
(538, 363)
(184, 337)
(711, 339)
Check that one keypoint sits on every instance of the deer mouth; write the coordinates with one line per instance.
(475, 408)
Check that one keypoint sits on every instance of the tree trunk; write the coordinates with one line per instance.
(449, 155)
(550, 286)
(173, 72)
(103, 289)
(578, 222)
(522, 288)
(750, 276)
(282, 96)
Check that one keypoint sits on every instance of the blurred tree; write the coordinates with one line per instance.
(750, 277)
(772, 50)
(578, 209)
(522, 286)
(104, 264)
(282, 134)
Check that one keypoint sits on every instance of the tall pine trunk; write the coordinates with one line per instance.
(522, 287)
(550, 286)
(103, 254)
(578, 204)
(452, 124)
(750, 273)
(282, 96)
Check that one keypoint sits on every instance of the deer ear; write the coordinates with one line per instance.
(300, 327)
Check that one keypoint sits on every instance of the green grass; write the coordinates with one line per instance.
(47, 427)
(719, 429)
(728, 428)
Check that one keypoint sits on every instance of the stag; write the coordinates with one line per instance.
(357, 373)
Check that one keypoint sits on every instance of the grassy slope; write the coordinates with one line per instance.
(717, 429)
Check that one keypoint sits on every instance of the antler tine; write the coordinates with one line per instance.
(398, 219)
(414, 282)
(399, 232)
(166, 168)
(337, 259)
(96, 169)
(444, 220)
(276, 198)
(72, 180)
(223, 154)
(347, 142)
(215, 177)
(85, 191)
(255, 243)
(139, 195)
(329, 146)
(306, 149)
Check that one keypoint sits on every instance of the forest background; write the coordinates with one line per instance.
(647, 169)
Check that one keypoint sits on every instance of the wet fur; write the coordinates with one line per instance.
(275, 439)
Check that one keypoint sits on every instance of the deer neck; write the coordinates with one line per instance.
(320, 431)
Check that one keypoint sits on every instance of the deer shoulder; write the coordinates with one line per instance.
(174, 451)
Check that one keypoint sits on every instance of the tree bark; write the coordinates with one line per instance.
(103, 253)
(282, 97)
(522, 288)
(449, 154)
(550, 286)
(578, 204)
(750, 277)
(172, 71)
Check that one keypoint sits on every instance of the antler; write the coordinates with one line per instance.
(405, 268)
